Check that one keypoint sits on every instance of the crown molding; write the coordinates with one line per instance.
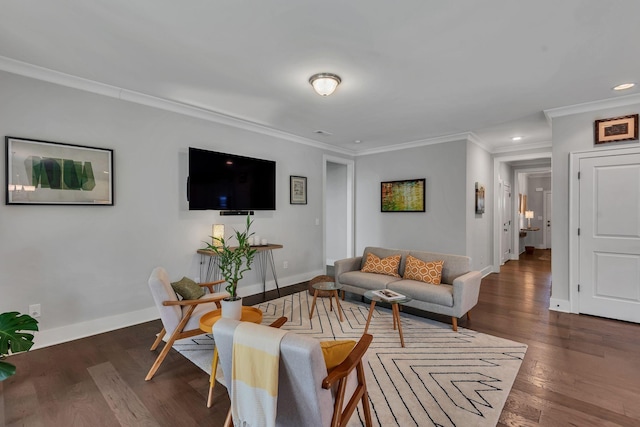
(56, 77)
(464, 136)
(522, 147)
(620, 101)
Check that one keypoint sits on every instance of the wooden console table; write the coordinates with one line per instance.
(210, 271)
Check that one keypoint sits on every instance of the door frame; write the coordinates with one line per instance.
(574, 215)
(513, 179)
(504, 211)
(350, 186)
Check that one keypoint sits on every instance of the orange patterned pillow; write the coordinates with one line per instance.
(388, 265)
(428, 272)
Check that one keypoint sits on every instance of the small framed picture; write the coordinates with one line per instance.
(616, 129)
(298, 190)
(53, 173)
(479, 198)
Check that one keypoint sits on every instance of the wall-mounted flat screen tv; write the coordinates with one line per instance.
(220, 181)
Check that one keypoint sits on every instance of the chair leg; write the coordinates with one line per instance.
(365, 396)
(158, 339)
(169, 344)
(228, 422)
(454, 323)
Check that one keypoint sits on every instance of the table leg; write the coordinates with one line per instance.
(393, 314)
(273, 269)
(337, 297)
(397, 315)
(330, 300)
(261, 266)
(373, 305)
(313, 304)
(212, 378)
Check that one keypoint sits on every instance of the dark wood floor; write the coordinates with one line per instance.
(578, 370)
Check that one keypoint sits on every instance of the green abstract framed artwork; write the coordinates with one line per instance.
(51, 173)
(403, 196)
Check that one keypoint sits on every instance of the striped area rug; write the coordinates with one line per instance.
(440, 378)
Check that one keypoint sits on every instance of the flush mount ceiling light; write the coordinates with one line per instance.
(624, 86)
(516, 138)
(324, 83)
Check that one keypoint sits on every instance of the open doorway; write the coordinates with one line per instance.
(515, 170)
(338, 203)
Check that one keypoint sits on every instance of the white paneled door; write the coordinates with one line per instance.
(610, 236)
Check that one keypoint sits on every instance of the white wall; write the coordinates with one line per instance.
(336, 212)
(479, 226)
(571, 133)
(86, 263)
(442, 227)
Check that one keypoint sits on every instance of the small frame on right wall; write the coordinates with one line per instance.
(616, 129)
(479, 198)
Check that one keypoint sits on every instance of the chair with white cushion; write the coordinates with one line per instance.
(180, 317)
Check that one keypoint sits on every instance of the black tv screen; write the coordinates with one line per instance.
(220, 181)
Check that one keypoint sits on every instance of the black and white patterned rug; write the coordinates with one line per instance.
(440, 377)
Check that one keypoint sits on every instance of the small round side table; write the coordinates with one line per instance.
(332, 289)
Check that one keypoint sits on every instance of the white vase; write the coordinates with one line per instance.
(232, 309)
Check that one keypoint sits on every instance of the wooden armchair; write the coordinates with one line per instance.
(307, 395)
(180, 318)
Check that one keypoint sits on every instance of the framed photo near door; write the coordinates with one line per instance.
(616, 129)
(298, 190)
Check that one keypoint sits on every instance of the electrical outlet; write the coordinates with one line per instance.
(34, 310)
(285, 264)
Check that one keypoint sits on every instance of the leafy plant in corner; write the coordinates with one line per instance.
(234, 261)
(13, 339)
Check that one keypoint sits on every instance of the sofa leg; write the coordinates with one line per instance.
(454, 323)
(468, 315)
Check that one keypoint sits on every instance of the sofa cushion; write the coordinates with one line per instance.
(368, 281)
(383, 253)
(454, 265)
(388, 266)
(428, 272)
(436, 294)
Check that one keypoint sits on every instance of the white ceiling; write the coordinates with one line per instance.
(411, 70)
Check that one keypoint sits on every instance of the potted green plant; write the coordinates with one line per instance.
(233, 262)
(13, 339)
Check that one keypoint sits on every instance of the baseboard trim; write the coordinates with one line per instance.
(486, 271)
(562, 305)
(49, 337)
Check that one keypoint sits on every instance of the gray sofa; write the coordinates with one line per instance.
(455, 296)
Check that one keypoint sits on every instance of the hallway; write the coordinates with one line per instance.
(579, 370)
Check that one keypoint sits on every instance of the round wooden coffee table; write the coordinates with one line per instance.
(207, 321)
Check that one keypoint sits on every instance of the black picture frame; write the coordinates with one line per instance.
(403, 196)
(53, 173)
(297, 190)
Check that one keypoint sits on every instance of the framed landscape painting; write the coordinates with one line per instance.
(402, 196)
(51, 173)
